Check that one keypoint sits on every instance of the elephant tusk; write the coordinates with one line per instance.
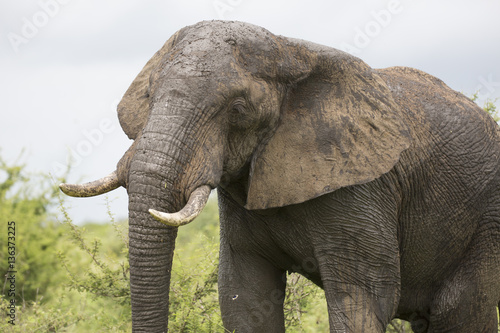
(100, 186)
(196, 203)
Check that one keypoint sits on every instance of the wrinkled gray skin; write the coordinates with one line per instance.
(380, 186)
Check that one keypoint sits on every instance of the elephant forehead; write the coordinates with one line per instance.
(204, 51)
(229, 32)
(213, 41)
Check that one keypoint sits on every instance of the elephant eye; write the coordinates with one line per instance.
(239, 110)
(238, 114)
(239, 105)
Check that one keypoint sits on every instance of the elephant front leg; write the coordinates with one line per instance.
(362, 295)
(356, 247)
(352, 309)
(251, 293)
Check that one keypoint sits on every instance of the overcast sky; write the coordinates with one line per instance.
(65, 64)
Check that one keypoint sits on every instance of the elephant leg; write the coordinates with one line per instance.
(466, 302)
(363, 302)
(461, 306)
(251, 293)
(352, 309)
(356, 247)
(251, 287)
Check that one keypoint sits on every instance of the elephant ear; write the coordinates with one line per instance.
(339, 126)
(133, 109)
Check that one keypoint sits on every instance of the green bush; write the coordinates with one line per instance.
(489, 106)
(44, 299)
(107, 273)
(35, 234)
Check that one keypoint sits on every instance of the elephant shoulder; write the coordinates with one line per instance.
(407, 77)
(425, 95)
(448, 128)
(429, 98)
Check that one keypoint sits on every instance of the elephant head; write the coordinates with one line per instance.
(228, 104)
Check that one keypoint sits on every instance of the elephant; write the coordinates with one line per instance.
(381, 186)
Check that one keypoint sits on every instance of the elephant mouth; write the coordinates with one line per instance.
(197, 199)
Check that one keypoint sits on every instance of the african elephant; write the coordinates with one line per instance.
(381, 186)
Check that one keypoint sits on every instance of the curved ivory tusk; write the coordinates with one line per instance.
(196, 203)
(100, 186)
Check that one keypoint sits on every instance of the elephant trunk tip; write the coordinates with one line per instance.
(196, 203)
(90, 189)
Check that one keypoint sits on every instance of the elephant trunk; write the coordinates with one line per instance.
(168, 172)
(151, 250)
(156, 180)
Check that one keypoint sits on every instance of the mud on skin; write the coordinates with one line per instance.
(380, 185)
